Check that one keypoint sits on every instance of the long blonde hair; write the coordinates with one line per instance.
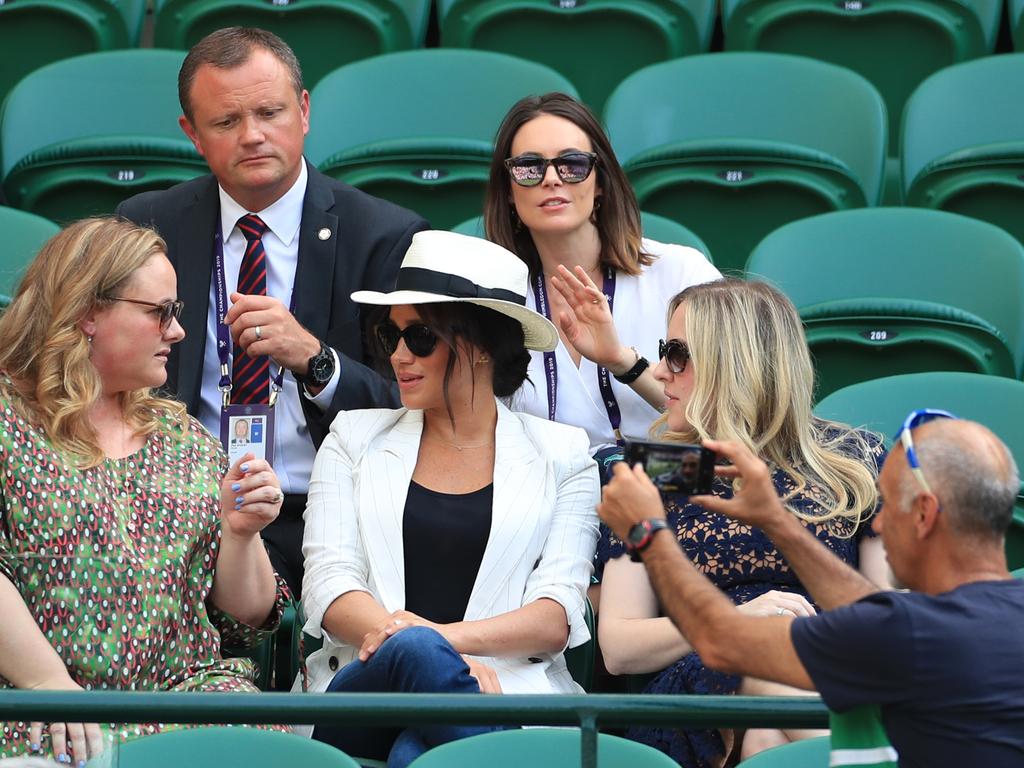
(44, 350)
(753, 382)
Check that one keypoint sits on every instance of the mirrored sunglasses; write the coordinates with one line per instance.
(675, 353)
(419, 338)
(572, 167)
(166, 311)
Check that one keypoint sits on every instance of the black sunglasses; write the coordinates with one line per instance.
(419, 338)
(168, 310)
(572, 167)
(675, 353)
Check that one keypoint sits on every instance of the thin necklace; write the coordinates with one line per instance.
(458, 447)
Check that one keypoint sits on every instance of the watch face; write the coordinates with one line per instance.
(321, 369)
(637, 533)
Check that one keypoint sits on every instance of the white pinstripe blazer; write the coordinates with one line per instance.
(543, 530)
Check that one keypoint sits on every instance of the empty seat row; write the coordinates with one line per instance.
(731, 146)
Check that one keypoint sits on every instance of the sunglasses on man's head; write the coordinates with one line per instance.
(571, 167)
(166, 310)
(914, 420)
(675, 353)
(419, 338)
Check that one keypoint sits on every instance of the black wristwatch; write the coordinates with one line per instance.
(320, 368)
(641, 535)
(633, 373)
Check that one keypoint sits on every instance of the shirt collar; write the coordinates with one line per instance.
(282, 217)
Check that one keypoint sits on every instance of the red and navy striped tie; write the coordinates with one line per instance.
(250, 376)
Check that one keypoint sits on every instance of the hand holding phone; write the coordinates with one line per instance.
(678, 470)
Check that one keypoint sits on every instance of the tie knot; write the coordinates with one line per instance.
(252, 227)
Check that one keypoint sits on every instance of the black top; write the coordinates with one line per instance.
(445, 535)
(947, 670)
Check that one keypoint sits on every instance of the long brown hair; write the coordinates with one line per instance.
(617, 221)
(46, 353)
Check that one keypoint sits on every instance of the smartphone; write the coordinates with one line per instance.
(677, 469)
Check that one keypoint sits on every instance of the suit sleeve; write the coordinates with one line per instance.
(567, 559)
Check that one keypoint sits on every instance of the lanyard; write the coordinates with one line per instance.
(604, 383)
(224, 344)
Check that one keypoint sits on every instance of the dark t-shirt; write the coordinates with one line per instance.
(445, 535)
(947, 670)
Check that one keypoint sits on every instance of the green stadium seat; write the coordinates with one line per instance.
(900, 290)
(998, 403)
(540, 748)
(80, 135)
(655, 227)
(262, 657)
(24, 235)
(417, 127)
(1015, 8)
(806, 753)
(895, 44)
(325, 34)
(214, 747)
(34, 33)
(733, 145)
(594, 43)
(963, 142)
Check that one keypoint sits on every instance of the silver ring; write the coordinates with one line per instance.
(781, 612)
(398, 622)
(259, 333)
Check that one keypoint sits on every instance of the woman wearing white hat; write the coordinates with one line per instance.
(448, 543)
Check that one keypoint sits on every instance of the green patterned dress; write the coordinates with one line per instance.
(116, 563)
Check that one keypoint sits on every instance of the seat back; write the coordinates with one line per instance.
(895, 45)
(733, 145)
(1015, 9)
(963, 142)
(898, 290)
(575, 38)
(34, 33)
(325, 34)
(24, 235)
(208, 748)
(996, 402)
(417, 127)
(540, 748)
(78, 136)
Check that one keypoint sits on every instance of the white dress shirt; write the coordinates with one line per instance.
(640, 312)
(293, 447)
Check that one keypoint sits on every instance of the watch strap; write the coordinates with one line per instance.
(643, 533)
(633, 373)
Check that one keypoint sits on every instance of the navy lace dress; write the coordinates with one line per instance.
(743, 563)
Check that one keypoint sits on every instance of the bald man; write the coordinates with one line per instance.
(944, 661)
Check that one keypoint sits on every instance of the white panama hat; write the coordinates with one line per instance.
(449, 267)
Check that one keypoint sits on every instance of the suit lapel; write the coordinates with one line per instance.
(193, 261)
(319, 246)
(383, 491)
(519, 495)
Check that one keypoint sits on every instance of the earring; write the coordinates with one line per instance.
(89, 339)
(483, 360)
(594, 210)
(517, 223)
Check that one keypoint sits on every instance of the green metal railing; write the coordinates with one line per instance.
(587, 712)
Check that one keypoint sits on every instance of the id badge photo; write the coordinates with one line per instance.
(247, 429)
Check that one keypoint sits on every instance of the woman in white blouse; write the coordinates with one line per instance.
(559, 199)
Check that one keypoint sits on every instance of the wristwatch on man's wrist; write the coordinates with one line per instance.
(319, 370)
(640, 536)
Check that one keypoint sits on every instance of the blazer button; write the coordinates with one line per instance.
(333, 663)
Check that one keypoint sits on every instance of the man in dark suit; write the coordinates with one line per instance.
(293, 244)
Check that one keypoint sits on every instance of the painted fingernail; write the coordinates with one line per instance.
(81, 764)
(236, 486)
(62, 758)
(239, 499)
(245, 467)
(35, 746)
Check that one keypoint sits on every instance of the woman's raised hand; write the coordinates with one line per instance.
(250, 497)
(590, 327)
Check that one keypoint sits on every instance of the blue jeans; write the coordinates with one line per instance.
(415, 660)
